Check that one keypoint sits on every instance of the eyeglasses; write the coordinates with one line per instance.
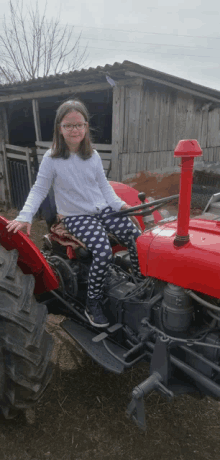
(78, 126)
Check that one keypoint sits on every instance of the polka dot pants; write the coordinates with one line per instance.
(93, 231)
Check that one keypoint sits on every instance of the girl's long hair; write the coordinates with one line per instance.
(59, 147)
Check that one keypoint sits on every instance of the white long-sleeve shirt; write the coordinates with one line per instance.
(80, 187)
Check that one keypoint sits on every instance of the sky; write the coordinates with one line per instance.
(181, 38)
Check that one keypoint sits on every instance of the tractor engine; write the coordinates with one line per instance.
(153, 307)
(176, 311)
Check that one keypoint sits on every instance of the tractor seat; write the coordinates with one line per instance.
(59, 234)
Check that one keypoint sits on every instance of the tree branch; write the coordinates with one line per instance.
(32, 47)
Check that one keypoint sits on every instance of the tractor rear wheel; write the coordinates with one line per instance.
(25, 347)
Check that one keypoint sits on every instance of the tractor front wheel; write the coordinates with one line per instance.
(25, 347)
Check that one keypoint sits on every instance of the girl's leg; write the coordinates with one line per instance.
(91, 232)
(125, 230)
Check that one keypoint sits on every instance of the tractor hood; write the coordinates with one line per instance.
(194, 265)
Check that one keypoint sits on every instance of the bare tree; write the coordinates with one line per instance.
(31, 46)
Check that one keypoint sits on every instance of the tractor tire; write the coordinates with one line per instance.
(25, 347)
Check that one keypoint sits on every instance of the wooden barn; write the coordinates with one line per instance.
(138, 115)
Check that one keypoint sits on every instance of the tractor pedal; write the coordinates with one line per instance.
(116, 327)
(84, 337)
(100, 337)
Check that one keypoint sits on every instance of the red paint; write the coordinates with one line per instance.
(196, 265)
(185, 196)
(30, 259)
(130, 195)
(187, 150)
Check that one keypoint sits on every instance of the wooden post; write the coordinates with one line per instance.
(35, 106)
(8, 200)
(116, 130)
(27, 152)
(120, 167)
(4, 137)
(5, 125)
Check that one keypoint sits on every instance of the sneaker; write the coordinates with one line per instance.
(95, 314)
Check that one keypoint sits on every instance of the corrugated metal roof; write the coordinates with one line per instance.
(54, 80)
(117, 71)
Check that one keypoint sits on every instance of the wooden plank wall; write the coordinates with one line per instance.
(155, 119)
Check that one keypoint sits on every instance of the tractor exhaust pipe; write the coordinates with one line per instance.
(187, 150)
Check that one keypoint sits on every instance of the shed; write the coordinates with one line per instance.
(138, 115)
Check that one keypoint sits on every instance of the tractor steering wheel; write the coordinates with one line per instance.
(145, 209)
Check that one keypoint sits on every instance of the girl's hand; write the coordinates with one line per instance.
(133, 218)
(15, 225)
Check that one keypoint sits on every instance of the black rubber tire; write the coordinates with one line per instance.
(25, 346)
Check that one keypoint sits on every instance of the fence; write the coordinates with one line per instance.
(20, 170)
(19, 167)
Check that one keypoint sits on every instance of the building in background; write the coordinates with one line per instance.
(138, 115)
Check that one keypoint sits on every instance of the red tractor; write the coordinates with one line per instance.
(169, 317)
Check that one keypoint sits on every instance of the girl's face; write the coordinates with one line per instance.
(73, 128)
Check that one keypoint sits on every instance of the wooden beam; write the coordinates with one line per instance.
(16, 156)
(115, 132)
(18, 149)
(7, 182)
(173, 85)
(43, 144)
(72, 90)
(35, 105)
(54, 92)
(103, 147)
(5, 124)
(28, 166)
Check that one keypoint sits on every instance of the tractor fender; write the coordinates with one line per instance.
(130, 195)
(30, 259)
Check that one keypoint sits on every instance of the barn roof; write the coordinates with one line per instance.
(97, 76)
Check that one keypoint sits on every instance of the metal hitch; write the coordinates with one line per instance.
(135, 409)
(159, 370)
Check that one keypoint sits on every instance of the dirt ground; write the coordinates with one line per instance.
(155, 185)
(81, 415)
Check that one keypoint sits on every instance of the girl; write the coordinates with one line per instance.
(84, 200)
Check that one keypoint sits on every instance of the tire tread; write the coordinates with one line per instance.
(25, 345)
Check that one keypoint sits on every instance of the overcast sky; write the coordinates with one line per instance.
(181, 38)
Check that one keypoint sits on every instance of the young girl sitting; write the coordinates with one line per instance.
(84, 200)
